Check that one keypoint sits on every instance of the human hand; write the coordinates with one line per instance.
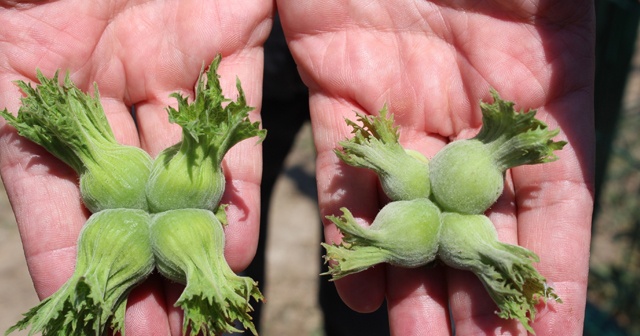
(138, 52)
(432, 63)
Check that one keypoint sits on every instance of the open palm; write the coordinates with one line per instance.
(431, 63)
(138, 52)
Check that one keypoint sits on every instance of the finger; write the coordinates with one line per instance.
(45, 199)
(361, 292)
(147, 310)
(157, 132)
(555, 203)
(472, 309)
(340, 185)
(364, 291)
(242, 165)
(417, 301)
(417, 298)
(122, 124)
(242, 198)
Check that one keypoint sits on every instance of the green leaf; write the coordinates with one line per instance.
(470, 242)
(72, 126)
(189, 248)
(114, 255)
(212, 120)
(404, 233)
(404, 175)
(189, 174)
(517, 138)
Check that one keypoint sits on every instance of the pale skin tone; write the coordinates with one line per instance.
(138, 52)
(430, 62)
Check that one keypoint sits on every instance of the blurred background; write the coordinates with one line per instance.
(614, 280)
(289, 268)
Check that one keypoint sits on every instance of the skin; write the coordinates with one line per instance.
(431, 62)
(138, 52)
